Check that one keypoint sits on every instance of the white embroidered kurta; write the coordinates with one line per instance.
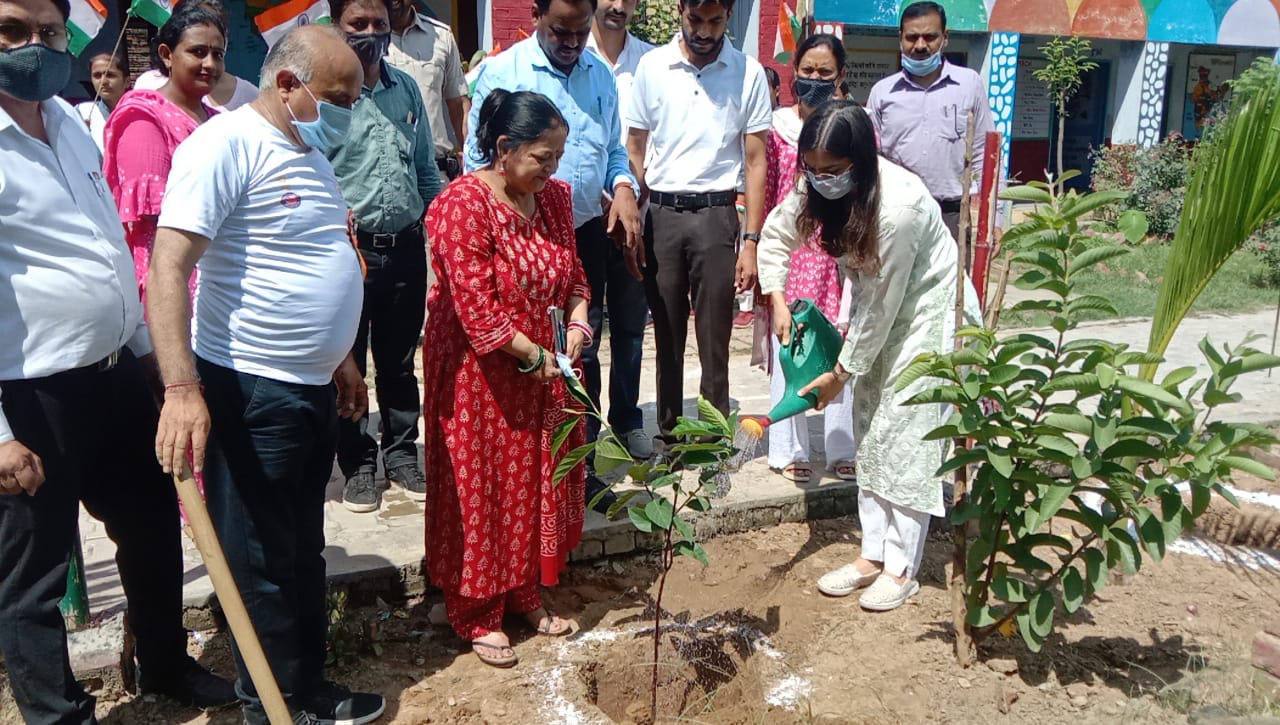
(905, 310)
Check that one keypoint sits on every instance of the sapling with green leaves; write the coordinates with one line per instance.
(703, 445)
(1066, 62)
(1077, 464)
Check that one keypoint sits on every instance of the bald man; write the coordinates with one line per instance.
(253, 200)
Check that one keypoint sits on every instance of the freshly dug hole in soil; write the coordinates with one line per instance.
(1252, 524)
(710, 671)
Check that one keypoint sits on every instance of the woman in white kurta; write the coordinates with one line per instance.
(887, 231)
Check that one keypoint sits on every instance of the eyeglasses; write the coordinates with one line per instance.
(14, 34)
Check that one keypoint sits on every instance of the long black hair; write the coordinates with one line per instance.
(521, 116)
(186, 15)
(848, 226)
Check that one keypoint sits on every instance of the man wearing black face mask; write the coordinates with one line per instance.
(387, 172)
(77, 415)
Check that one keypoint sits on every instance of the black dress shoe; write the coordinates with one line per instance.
(594, 487)
(189, 684)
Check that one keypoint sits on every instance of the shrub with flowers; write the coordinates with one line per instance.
(1155, 178)
(1267, 245)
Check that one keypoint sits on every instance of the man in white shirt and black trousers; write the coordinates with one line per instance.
(702, 109)
(253, 199)
(77, 416)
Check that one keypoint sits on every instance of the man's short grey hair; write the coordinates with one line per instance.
(293, 53)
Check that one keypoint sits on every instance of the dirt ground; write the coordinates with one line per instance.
(766, 647)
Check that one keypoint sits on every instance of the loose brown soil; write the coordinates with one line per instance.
(750, 640)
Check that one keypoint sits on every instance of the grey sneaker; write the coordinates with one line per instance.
(337, 705)
(409, 477)
(637, 444)
(361, 494)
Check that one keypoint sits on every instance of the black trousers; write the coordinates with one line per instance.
(95, 432)
(395, 299)
(606, 269)
(690, 254)
(270, 454)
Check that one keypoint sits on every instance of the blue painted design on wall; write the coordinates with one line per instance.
(1002, 79)
(882, 13)
(1183, 21)
(1155, 74)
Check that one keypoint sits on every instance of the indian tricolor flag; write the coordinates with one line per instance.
(784, 42)
(87, 17)
(275, 22)
(156, 12)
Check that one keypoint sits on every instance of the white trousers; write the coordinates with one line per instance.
(892, 534)
(789, 439)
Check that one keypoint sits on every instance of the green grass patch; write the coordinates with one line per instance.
(1132, 283)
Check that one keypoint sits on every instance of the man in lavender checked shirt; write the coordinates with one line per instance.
(922, 111)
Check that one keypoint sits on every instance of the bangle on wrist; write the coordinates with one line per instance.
(841, 374)
(535, 365)
(585, 329)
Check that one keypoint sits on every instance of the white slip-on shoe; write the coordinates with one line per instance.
(886, 594)
(844, 581)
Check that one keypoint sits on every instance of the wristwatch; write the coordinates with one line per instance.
(751, 237)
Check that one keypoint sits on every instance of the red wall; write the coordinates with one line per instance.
(510, 16)
(768, 34)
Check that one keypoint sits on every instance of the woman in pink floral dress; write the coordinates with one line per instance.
(819, 69)
(146, 126)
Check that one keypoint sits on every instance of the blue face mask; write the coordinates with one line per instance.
(831, 186)
(921, 67)
(328, 130)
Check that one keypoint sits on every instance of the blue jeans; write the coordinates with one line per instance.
(269, 458)
(612, 284)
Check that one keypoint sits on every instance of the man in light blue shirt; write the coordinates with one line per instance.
(595, 165)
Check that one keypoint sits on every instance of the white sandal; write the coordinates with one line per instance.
(845, 581)
(886, 594)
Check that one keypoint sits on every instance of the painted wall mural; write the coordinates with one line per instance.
(1155, 74)
(1002, 78)
(1254, 23)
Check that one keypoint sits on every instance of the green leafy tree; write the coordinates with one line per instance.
(703, 445)
(655, 21)
(1233, 192)
(1077, 465)
(1067, 60)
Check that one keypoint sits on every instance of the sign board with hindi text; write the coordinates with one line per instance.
(1032, 106)
(865, 68)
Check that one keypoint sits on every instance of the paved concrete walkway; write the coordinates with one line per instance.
(390, 541)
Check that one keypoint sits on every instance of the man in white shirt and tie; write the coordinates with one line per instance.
(77, 417)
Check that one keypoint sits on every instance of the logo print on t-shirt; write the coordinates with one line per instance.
(290, 200)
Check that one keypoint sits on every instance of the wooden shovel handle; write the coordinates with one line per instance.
(215, 562)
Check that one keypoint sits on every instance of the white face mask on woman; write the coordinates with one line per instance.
(831, 186)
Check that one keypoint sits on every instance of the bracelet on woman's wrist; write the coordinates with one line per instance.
(537, 364)
(587, 337)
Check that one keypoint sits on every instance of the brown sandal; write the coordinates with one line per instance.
(797, 472)
(504, 661)
(545, 625)
(845, 470)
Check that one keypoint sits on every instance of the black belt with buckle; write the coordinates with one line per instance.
(387, 240)
(949, 206)
(690, 202)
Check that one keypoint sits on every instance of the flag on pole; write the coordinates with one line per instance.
(275, 22)
(156, 12)
(87, 17)
(784, 41)
(473, 74)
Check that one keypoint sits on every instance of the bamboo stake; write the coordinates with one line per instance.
(960, 482)
(224, 585)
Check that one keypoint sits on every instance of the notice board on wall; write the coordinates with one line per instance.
(865, 68)
(1032, 106)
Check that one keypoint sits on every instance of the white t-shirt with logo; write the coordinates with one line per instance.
(280, 287)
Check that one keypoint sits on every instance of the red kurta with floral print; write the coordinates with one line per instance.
(494, 520)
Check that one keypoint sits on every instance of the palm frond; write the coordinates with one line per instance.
(1233, 190)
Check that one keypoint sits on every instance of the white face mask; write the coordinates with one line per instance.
(831, 186)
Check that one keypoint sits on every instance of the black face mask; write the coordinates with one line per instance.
(369, 47)
(34, 72)
(813, 92)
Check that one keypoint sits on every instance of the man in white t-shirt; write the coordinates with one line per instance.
(254, 201)
(701, 108)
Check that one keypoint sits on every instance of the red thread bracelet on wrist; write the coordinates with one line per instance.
(187, 384)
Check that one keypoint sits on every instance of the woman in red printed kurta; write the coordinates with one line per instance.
(503, 251)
